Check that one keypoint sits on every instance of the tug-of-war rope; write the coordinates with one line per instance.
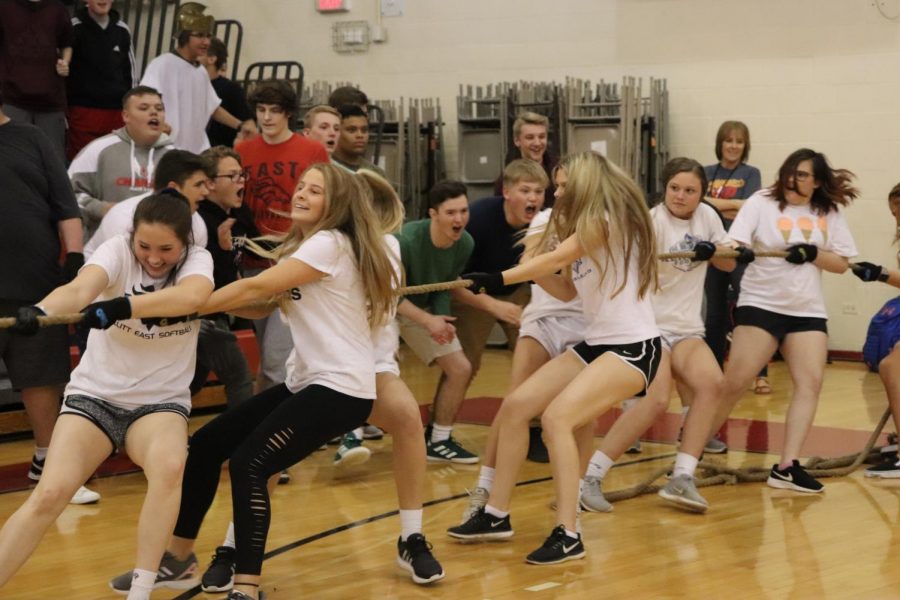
(714, 473)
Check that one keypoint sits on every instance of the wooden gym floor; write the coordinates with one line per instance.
(334, 531)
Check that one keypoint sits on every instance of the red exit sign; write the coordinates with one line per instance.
(332, 5)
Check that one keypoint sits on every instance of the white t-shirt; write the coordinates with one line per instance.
(327, 318)
(189, 98)
(623, 319)
(773, 283)
(543, 304)
(120, 218)
(133, 363)
(386, 339)
(678, 303)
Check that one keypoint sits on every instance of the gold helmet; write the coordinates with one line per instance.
(190, 17)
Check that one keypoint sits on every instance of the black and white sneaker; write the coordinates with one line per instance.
(557, 548)
(37, 468)
(482, 527)
(219, 575)
(414, 556)
(793, 478)
(888, 470)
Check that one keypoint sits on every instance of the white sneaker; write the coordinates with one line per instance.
(85, 496)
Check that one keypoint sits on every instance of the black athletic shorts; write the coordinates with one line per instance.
(644, 356)
(34, 360)
(777, 324)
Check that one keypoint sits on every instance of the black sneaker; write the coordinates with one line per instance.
(482, 526)
(793, 478)
(414, 556)
(219, 576)
(887, 469)
(557, 548)
(537, 451)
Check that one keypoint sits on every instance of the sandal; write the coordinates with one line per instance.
(762, 387)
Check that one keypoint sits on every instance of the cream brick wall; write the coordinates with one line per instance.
(818, 73)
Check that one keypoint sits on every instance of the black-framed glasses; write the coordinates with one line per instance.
(235, 177)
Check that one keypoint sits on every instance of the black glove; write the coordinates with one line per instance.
(26, 320)
(704, 250)
(74, 261)
(801, 253)
(102, 315)
(745, 255)
(485, 283)
(867, 271)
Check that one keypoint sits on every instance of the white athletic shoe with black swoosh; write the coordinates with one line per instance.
(794, 478)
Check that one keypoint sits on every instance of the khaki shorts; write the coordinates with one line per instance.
(420, 342)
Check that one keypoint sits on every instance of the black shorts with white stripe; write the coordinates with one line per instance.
(644, 356)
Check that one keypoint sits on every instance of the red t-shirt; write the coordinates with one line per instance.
(273, 171)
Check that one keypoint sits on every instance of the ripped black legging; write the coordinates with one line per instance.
(264, 435)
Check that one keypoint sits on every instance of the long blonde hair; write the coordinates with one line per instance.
(349, 209)
(606, 211)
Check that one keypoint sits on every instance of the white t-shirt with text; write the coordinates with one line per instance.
(679, 301)
(328, 322)
(137, 362)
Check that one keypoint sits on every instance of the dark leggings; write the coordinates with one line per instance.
(718, 309)
(264, 435)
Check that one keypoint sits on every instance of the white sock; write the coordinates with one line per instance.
(141, 584)
(357, 433)
(496, 512)
(229, 536)
(40, 453)
(685, 464)
(439, 433)
(486, 478)
(572, 534)
(600, 465)
(410, 522)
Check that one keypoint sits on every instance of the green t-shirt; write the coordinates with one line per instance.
(425, 263)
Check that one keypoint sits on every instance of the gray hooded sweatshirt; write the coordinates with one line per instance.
(110, 169)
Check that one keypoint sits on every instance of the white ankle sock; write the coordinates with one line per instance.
(485, 478)
(685, 464)
(357, 433)
(572, 534)
(495, 512)
(410, 522)
(229, 536)
(600, 465)
(439, 433)
(40, 453)
(141, 584)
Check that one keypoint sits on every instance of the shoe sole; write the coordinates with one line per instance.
(84, 502)
(412, 573)
(716, 450)
(566, 558)
(592, 509)
(184, 584)
(357, 456)
(459, 461)
(481, 537)
(882, 474)
(213, 589)
(682, 502)
(373, 437)
(787, 485)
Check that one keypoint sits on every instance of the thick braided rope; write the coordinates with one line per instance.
(717, 474)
